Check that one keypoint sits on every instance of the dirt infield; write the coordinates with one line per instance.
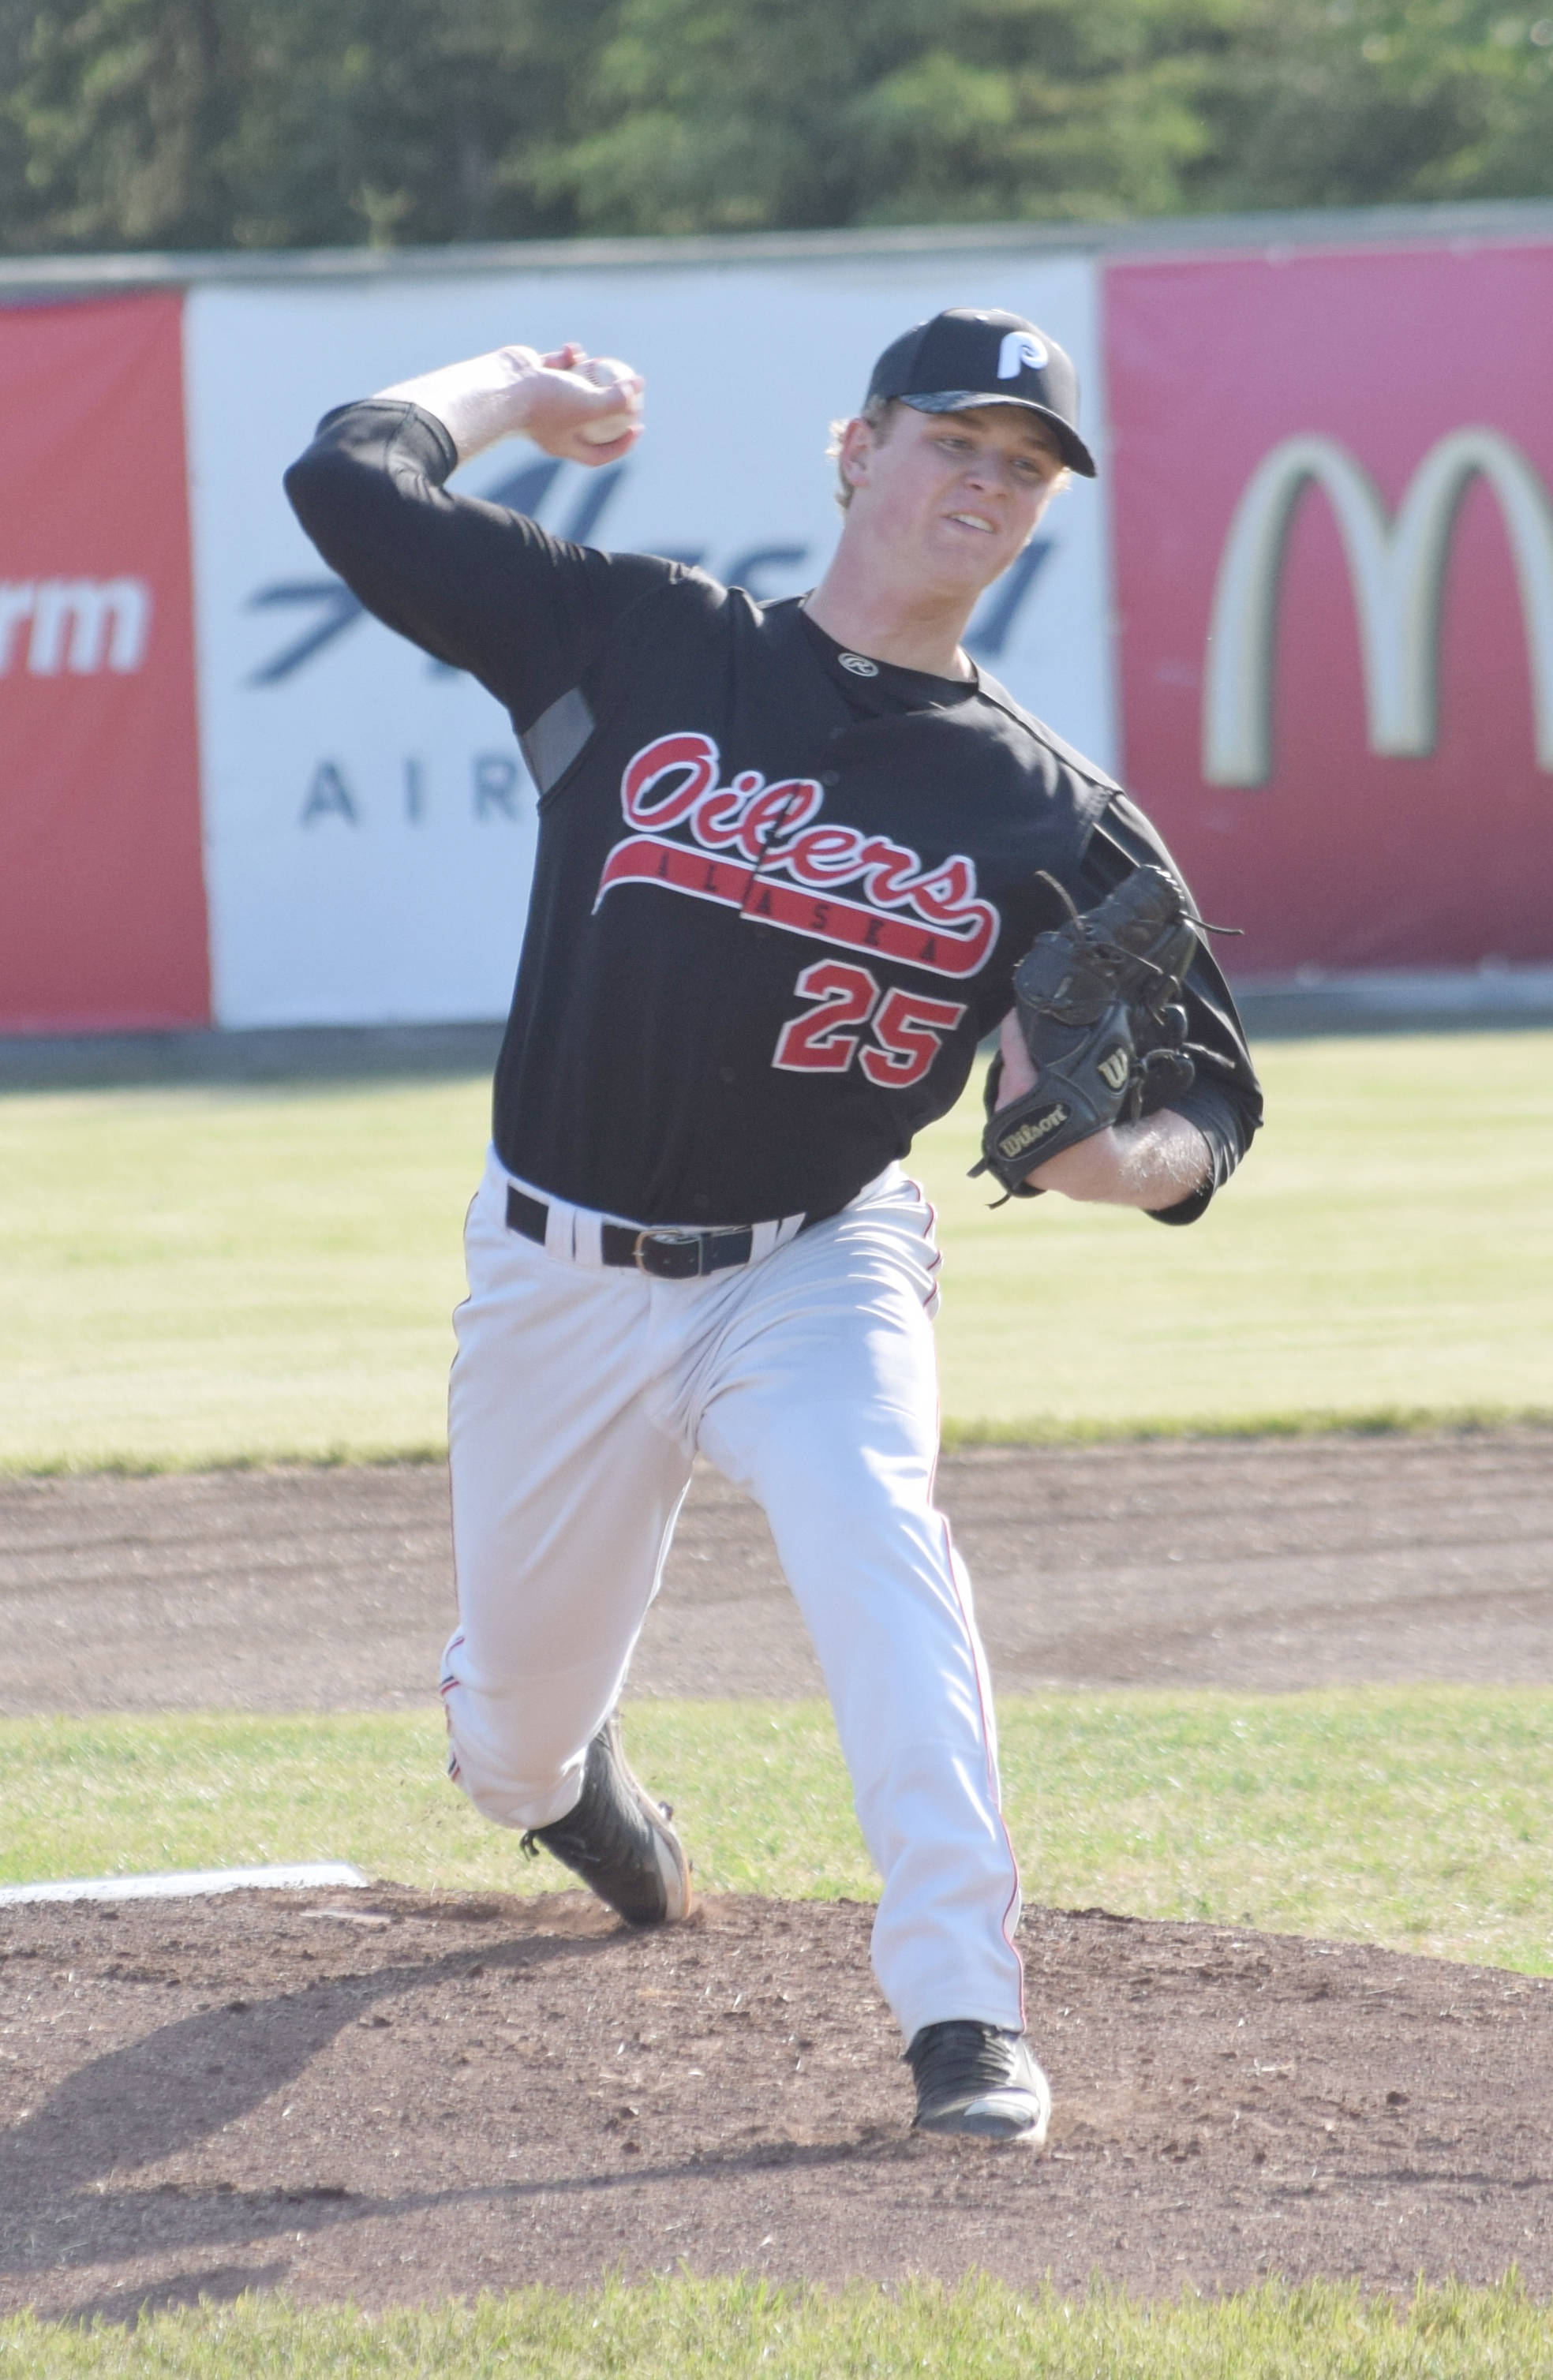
(392, 2096)
(408, 2096)
(1257, 1564)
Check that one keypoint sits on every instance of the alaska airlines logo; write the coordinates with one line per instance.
(755, 847)
(1396, 566)
(765, 567)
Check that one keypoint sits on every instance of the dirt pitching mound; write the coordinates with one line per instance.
(394, 2095)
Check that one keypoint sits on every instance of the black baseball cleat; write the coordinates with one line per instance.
(618, 1841)
(974, 2078)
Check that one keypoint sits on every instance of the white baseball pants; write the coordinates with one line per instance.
(580, 1395)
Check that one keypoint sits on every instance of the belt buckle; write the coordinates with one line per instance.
(667, 1240)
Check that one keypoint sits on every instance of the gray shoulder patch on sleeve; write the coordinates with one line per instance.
(557, 738)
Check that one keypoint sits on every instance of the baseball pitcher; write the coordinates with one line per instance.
(795, 860)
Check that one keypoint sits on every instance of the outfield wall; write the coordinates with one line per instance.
(1307, 610)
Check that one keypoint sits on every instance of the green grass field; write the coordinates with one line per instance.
(1419, 1817)
(201, 1276)
(734, 2330)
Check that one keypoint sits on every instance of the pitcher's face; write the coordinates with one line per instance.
(946, 501)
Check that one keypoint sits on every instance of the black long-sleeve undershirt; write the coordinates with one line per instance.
(529, 616)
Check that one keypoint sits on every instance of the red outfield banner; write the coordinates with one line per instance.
(1333, 534)
(102, 887)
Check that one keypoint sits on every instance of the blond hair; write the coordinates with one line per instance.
(879, 412)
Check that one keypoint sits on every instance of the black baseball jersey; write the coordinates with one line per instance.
(780, 888)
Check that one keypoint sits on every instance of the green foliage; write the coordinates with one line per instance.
(1350, 103)
(288, 123)
(793, 112)
(1413, 1816)
(285, 124)
(685, 2328)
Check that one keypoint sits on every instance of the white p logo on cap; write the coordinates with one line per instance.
(1020, 347)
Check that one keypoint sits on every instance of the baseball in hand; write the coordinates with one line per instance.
(602, 371)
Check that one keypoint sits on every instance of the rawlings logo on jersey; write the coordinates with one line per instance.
(756, 847)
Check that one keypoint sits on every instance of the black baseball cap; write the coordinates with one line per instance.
(970, 355)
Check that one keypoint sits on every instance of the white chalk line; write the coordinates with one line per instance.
(189, 1884)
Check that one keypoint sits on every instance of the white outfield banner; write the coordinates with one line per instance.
(368, 824)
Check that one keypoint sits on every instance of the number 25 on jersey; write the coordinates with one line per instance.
(906, 1031)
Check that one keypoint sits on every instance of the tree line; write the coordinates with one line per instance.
(263, 123)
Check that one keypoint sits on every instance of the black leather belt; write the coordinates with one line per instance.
(668, 1256)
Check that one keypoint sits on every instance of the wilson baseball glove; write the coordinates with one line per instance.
(1098, 1003)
